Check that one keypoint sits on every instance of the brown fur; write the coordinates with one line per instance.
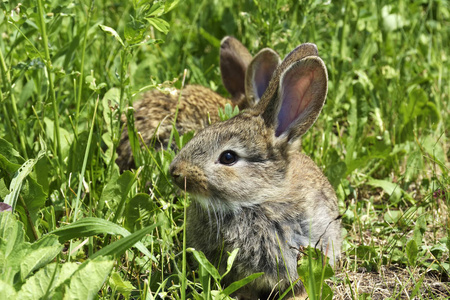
(271, 200)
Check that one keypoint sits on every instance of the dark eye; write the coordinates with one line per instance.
(228, 157)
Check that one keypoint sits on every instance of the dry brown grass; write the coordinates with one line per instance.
(392, 282)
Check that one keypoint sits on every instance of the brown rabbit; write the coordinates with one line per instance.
(155, 112)
(254, 191)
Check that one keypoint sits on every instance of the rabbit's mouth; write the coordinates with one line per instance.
(196, 188)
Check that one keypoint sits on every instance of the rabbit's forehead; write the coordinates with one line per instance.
(239, 133)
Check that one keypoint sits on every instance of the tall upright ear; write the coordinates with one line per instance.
(301, 95)
(269, 101)
(234, 60)
(259, 73)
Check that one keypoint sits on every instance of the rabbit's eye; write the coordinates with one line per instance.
(228, 158)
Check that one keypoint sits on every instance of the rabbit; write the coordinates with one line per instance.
(154, 113)
(253, 190)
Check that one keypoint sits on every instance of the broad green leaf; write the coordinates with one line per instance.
(393, 189)
(335, 172)
(120, 246)
(159, 24)
(66, 138)
(411, 252)
(122, 286)
(10, 159)
(434, 148)
(13, 230)
(7, 289)
(420, 228)
(134, 31)
(36, 286)
(204, 262)
(19, 177)
(92, 226)
(139, 212)
(55, 273)
(34, 198)
(116, 191)
(89, 278)
(42, 252)
(112, 32)
(16, 255)
(392, 216)
(238, 284)
(414, 165)
(156, 10)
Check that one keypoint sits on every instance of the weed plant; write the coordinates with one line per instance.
(70, 69)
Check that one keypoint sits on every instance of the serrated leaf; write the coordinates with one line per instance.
(89, 278)
(16, 255)
(112, 32)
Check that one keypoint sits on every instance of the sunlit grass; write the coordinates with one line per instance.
(382, 138)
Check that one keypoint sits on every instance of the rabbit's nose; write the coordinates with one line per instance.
(173, 170)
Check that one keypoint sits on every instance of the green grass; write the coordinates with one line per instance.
(382, 138)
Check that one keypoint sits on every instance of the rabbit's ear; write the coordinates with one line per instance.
(259, 73)
(234, 60)
(269, 101)
(301, 94)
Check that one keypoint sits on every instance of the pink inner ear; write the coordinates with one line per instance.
(262, 79)
(296, 93)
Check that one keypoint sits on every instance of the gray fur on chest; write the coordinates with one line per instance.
(266, 244)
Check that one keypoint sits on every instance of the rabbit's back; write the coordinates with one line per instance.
(155, 112)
